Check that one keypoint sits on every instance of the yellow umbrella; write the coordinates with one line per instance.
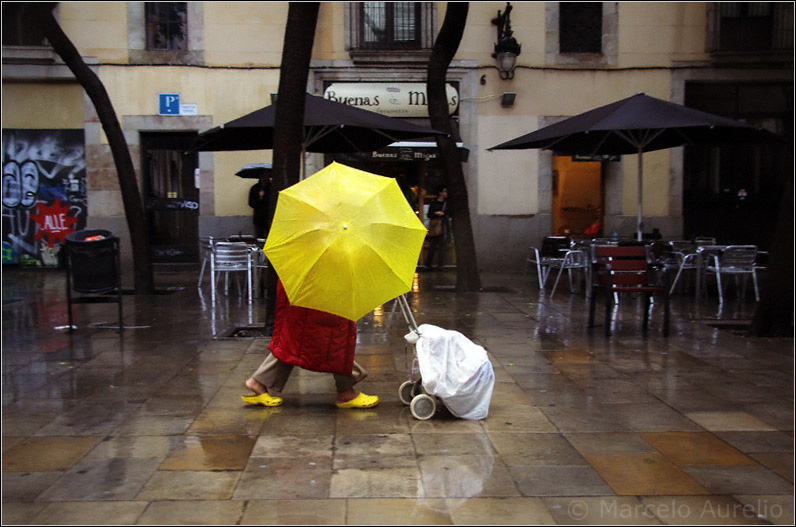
(344, 241)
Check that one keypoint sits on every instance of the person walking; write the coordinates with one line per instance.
(437, 229)
(315, 341)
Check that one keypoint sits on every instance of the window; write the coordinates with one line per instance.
(167, 26)
(390, 31)
(745, 26)
(17, 30)
(580, 27)
(390, 25)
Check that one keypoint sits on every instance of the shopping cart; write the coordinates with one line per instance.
(446, 367)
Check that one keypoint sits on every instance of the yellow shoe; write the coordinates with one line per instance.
(264, 399)
(360, 401)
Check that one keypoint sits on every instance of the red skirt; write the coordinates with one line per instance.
(311, 339)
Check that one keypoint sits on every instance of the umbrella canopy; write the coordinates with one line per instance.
(329, 127)
(254, 170)
(344, 241)
(635, 125)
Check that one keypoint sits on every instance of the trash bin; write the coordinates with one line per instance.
(93, 269)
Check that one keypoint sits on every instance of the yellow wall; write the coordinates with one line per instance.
(97, 29)
(244, 33)
(330, 33)
(39, 105)
(656, 33)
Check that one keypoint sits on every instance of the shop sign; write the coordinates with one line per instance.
(399, 99)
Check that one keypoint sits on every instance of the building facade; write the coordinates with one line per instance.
(175, 69)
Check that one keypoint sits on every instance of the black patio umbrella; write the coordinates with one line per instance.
(329, 127)
(636, 125)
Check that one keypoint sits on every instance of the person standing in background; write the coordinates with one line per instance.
(437, 228)
(258, 200)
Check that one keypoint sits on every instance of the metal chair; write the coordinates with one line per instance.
(549, 255)
(626, 269)
(205, 252)
(575, 260)
(736, 260)
(261, 265)
(705, 240)
(231, 257)
(686, 257)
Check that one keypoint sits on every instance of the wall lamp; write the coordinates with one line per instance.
(507, 48)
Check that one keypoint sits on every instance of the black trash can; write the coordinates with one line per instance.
(93, 268)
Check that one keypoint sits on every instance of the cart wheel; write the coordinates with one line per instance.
(405, 392)
(423, 406)
(417, 387)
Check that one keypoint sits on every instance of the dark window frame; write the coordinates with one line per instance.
(746, 26)
(390, 18)
(574, 17)
(17, 31)
(166, 26)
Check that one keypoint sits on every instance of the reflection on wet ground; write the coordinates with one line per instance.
(147, 427)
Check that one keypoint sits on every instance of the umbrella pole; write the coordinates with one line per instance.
(640, 194)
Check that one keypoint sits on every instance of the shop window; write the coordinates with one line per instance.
(167, 26)
(580, 27)
(17, 28)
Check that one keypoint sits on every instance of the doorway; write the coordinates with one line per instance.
(577, 197)
(171, 196)
(733, 192)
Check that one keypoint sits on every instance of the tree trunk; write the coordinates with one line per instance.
(131, 197)
(445, 48)
(774, 313)
(302, 18)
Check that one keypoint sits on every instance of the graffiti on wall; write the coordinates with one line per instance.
(44, 193)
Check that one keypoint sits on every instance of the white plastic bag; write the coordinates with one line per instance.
(456, 370)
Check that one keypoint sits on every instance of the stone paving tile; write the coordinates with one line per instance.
(686, 448)
(777, 509)
(499, 511)
(385, 511)
(189, 485)
(608, 510)
(212, 512)
(737, 480)
(465, 477)
(91, 513)
(294, 512)
(47, 454)
(285, 478)
(729, 421)
(102, 479)
(700, 510)
(559, 481)
(643, 474)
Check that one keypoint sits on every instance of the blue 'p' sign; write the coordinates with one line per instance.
(168, 104)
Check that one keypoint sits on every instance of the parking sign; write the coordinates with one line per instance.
(168, 104)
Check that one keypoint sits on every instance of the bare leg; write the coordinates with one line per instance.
(255, 386)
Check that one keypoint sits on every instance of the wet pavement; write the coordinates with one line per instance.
(147, 426)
